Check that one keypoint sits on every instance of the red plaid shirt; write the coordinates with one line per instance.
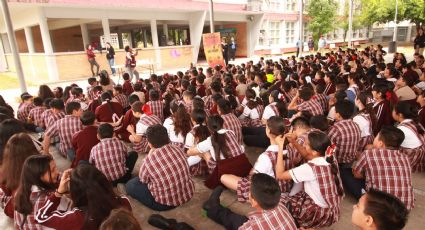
(166, 172)
(145, 120)
(38, 198)
(323, 101)
(346, 136)
(156, 86)
(123, 100)
(311, 106)
(231, 122)
(389, 171)
(36, 115)
(65, 128)
(277, 218)
(157, 108)
(109, 157)
(24, 111)
(330, 89)
(208, 101)
(50, 118)
(90, 93)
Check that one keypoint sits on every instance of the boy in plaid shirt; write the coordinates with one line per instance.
(120, 97)
(265, 196)
(25, 107)
(34, 117)
(156, 105)
(309, 105)
(385, 167)
(164, 180)
(110, 156)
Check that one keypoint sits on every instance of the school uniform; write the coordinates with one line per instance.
(413, 145)
(65, 128)
(234, 149)
(364, 122)
(421, 114)
(157, 108)
(197, 165)
(105, 112)
(7, 200)
(156, 86)
(208, 102)
(201, 90)
(50, 216)
(312, 106)
(81, 101)
(231, 122)
(252, 117)
(352, 92)
(164, 180)
(35, 115)
(187, 106)
(127, 88)
(142, 125)
(266, 163)
(382, 111)
(346, 135)
(111, 158)
(24, 111)
(123, 100)
(90, 92)
(387, 170)
(128, 119)
(317, 204)
(83, 142)
(176, 139)
(270, 111)
(329, 89)
(323, 101)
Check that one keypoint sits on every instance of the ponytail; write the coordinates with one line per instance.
(364, 98)
(201, 131)
(409, 112)
(181, 119)
(335, 172)
(280, 105)
(215, 123)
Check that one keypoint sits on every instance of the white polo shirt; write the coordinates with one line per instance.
(363, 124)
(263, 163)
(169, 125)
(411, 140)
(269, 112)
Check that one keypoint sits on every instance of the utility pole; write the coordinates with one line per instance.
(13, 46)
(350, 24)
(301, 44)
(393, 45)
(211, 16)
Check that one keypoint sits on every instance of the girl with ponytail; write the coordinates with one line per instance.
(109, 111)
(365, 119)
(276, 107)
(413, 145)
(318, 204)
(381, 107)
(251, 115)
(92, 197)
(178, 125)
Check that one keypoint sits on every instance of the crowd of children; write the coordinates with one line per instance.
(343, 120)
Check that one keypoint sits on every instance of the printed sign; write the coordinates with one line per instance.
(212, 49)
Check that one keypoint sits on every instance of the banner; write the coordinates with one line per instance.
(212, 49)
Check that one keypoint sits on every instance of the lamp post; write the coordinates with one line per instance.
(350, 24)
(393, 45)
(211, 16)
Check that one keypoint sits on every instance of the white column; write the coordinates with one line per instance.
(196, 26)
(106, 30)
(165, 30)
(52, 68)
(3, 62)
(253, 32)
(30, 40)
(154, 32)
(85, 35)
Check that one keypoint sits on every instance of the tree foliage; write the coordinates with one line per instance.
(345, 18)
(322, 17)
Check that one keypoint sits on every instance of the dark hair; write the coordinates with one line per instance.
(306, 93)
(319, 122)
(153, 95)
(320, 142)
(381, 88)
(224, 106)
(44, 92)
(118, 88)
(391, 136)
(201, 131)
(276, 125)
(88, 118)
(46, 102)
(157, 135)
(33, 169)
(76, 91)
(137, 107)
(120, 219)
(231, 97)
(105, 130)
(363, 97)
(126, 76)
(181, 119)
(215, 86)
(345, 108)
(265, 190)
(57, 103)
(387, 211)
(301, 122)
(215, 123)
(91, 80)
(91, 191)
(409, 112)
(104, 79)
(133, 98)
(19, 147)
(38, 101)
(253, 100)
(198, 103)
(72, 106)
(281, 107)
(8, 128)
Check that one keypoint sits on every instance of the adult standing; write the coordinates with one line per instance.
(232, 49)
(130, 62)
(110, 56)
(419, 42)
(310, 44)
(322, 43)
(92, 60)
(225, 49)
(298, 45)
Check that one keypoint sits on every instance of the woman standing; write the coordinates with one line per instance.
(110, 56)
(419, 42)
(92, 60)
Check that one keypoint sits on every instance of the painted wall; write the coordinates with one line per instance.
(241, 36)
(34, 67)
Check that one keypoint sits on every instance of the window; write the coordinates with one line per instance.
(274, 28)
(274, 5)
(290, 5)
(290, 32)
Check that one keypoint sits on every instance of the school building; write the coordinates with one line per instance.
(52, 34)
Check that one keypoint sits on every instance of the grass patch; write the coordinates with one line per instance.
(10, 81)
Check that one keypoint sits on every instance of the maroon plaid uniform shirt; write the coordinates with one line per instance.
(109, 157)
(24, 111)
(122, 99)
(208, 101)
(166, 172)
(277, 218)
(37, 198)
(311, 106)
(51, 118)
(231, 122)
(35, 115)
(389, 171)
(157, 108)
(346, 136)
(90, 93)
(323, 101)
(156, 86)
(65, 128)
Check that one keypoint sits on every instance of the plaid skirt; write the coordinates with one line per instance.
(200, 169)
(416, 158)
(248, 122)
(178, 144)
(307, 214)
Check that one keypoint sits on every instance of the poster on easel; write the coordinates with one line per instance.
(213, 50)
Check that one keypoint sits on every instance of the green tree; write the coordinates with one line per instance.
(321, 17)
(345, 18)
